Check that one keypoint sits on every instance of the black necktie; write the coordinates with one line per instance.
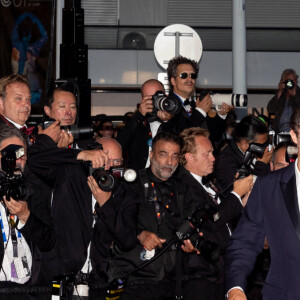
(186, 102)
(191, 103)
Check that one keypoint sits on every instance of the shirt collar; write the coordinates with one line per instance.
(181, 98)
(15, 124)
(197, 177)
(297, 172)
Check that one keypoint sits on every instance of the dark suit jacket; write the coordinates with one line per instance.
(217, 232)
(4, 121)
(228, 161)
(72, 212)
(272, 211)
(180, 207)
(134, 139)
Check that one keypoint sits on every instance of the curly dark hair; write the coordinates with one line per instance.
(167, 137)
(179, 60)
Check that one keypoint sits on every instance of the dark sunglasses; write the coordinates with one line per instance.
(108, 128)
(185, 75)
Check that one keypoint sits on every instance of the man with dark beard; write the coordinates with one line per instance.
(164, 206)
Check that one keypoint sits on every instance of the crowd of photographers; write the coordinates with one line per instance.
(145, 215)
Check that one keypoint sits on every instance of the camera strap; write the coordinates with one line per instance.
(14, 242)
(5, 239)
(2, 229)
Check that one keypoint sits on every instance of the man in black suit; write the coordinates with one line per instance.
(272, 211)
(32, 231)
(15, 105)
(205, 279)
(164, 204)
(182, 75)
(136, 137)
(82, 244)
(249, 130)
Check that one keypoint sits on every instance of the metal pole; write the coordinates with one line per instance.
(59, 8)
(177, 45)
(239, 80)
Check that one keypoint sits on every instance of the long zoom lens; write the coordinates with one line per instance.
(238, 100)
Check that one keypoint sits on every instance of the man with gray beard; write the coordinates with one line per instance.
(165, 205)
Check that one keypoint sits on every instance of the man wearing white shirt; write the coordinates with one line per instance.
(15, 105)
(21, 229)
(273, 212)
(206, 279)
(182, 76)
(15, 108)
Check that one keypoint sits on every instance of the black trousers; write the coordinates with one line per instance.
(203, 289)
(150, 290)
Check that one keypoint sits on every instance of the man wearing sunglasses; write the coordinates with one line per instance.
(182, 76)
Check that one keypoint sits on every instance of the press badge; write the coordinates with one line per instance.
(147, 254)
(19, 267)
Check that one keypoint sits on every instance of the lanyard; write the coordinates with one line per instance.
(12, 231)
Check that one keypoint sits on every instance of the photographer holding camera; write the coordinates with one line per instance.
(182, 75)
(165, 202)
(23, 230)
(136, 137)
(85, 219)
(203, 277)
(286, 100)
(229, 161)
(15, 107)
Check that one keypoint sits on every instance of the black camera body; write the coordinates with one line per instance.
(289, 84)
(170, 104)
(77, 132)
(190, 230)
(255, 150)
(11, 184)
(108, 180)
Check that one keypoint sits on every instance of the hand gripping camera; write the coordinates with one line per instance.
(238, 100)
(77, 132)
(170, 104)
(289, 84)
(107, 180)
(255, 150)
(190, 230)
(11, 179)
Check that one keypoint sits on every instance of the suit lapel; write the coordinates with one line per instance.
(289, 191)
(188, 178)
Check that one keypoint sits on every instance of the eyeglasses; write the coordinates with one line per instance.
(115, 162)
(185, 75)
(108, 128)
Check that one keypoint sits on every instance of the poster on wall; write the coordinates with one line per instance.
(25, 28)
